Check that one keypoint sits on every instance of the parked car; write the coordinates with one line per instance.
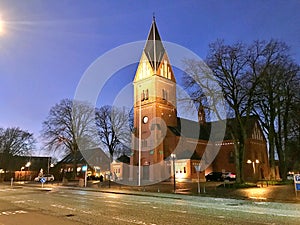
(48, 178)
(229, 176)
(290, 176)
(214, 176)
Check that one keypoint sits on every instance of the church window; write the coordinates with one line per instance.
(164, 94)
(155, 126)
(147, 95)
(143, 96)
(165, 68)
(169, 73)
(144, 143)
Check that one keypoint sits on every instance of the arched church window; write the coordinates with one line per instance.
(143, 95)
(164, 94)
(147, 95)
(155, 126)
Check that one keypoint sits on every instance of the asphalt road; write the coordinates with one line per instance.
(60, 205)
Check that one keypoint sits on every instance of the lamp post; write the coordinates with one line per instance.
(22, 168)
(140, 142)
(27, 166)
(173, 157)
(48, 165)
(253, 164)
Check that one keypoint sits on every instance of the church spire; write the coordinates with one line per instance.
(154, 60)
(154, 48)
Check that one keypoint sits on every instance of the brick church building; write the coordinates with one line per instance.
(163, 141)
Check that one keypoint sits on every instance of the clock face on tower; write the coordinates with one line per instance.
(145, 119)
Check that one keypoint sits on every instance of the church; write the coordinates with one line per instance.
(164, 144)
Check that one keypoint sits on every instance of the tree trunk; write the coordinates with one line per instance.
(237, 162)
(271, 138)
(74, 174)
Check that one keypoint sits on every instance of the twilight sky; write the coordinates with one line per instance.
(46, 46)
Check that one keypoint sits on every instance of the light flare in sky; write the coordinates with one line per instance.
(1, 25)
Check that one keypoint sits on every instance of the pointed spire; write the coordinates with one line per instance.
(154, 48)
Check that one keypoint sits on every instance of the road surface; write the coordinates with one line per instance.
(59, 205)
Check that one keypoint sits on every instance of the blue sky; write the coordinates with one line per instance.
(46, 46)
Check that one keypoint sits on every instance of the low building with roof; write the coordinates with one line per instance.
(95, 159)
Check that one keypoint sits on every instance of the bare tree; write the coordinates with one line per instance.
(276, 93)
(113, 125)
(260, 79)
(293, 143)
(229, 65)
(14, 141)
(70, 128)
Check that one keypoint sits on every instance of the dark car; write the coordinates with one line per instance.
(214, 176)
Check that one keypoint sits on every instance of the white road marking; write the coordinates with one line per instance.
(8, 213)
(24, 201)
(178, 211)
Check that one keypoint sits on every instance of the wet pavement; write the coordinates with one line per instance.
(270, 193)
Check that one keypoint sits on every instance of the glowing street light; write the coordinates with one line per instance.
(253, 164)
(28, 164)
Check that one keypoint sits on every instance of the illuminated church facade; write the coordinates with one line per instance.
(159, 139)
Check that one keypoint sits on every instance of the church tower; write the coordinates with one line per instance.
(154, 105)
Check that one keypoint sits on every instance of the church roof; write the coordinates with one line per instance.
(94, 157)
(192, 129)
(154, 48)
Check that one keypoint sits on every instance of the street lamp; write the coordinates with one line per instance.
(21, 175)
(173, 157)
(253, 164)
(140, 142)
(28, 165)
(50, 165)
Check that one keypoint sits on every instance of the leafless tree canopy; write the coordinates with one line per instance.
(260, 79)
(69, 127)
(113, 125)
(14, 141)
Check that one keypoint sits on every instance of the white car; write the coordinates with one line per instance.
(47, 177)
(290, 177)
(229, 176)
